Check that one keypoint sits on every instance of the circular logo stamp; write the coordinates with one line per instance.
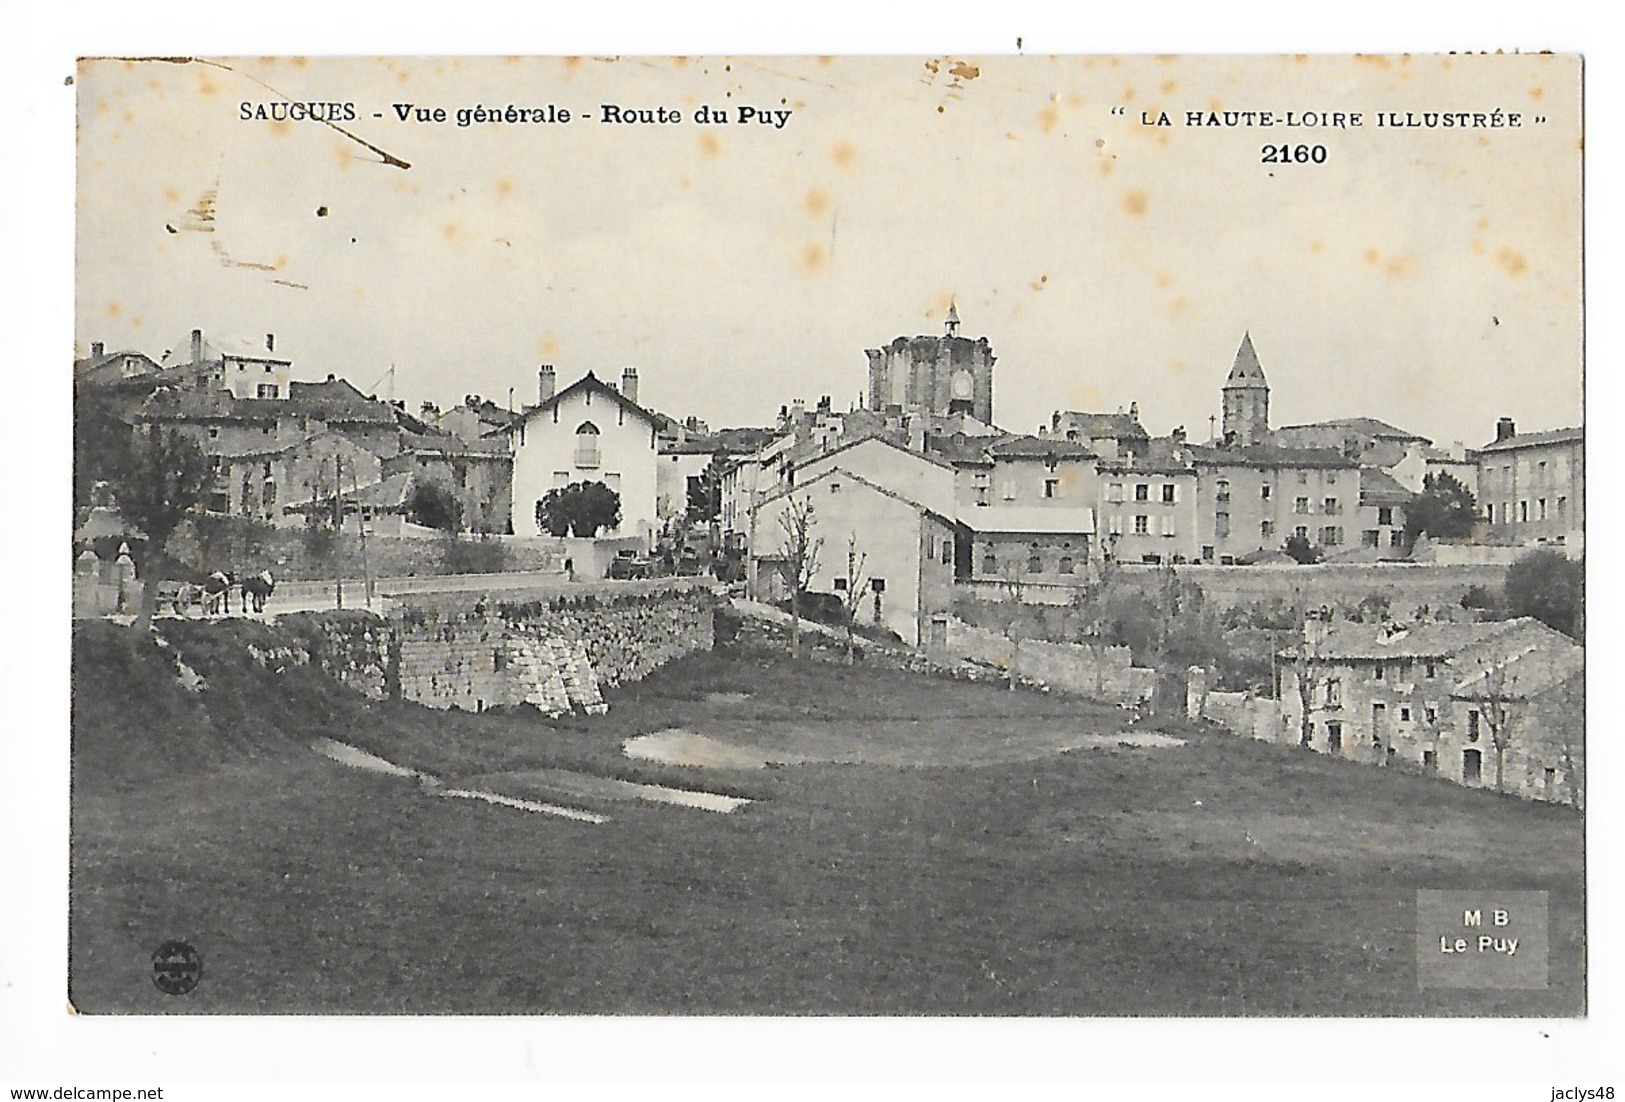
(176, 968)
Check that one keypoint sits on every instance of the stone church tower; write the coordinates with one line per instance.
(937, 376)
(1246, 399)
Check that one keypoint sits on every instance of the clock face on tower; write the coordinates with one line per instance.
(962, 384)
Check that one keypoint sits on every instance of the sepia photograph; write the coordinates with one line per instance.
(1083, 536)
(960, 549)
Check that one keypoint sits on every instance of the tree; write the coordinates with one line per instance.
(1445, 509)
(156, 479)
(1299, 547)
(433, 505)
(705, 494)
(1306, 662)
(1551, 588)
(579, 509)
(1497, 699)
(855, 579)
(800, 550)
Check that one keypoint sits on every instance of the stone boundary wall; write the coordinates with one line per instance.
(475, 650)
(1106, 673)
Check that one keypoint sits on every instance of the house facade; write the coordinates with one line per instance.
(907, 550)
(1531, 488)
(587, 432)
(1472, 703)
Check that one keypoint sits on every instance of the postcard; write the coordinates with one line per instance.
(908, 537)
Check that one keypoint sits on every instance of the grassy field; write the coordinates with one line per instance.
(1221, 877)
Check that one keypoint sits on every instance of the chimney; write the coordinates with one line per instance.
(332, 378)
(916, 433)
(1134, 410)
(197, 346)
(1178, 435)
(95, 350)
(1505, 429)
(546, 381)
(270, 342)
(629, 384)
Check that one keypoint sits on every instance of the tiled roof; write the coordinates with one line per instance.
(337, 400)
(450, 445)
(1036, 447)
(1034, 519)
(389, 496)
(960, 450)
(589, 381)
(1100, 426)
(1271, 456)
(1377, 642)
(1368, 426)
(1378, 487)
(1523, 675)
(1532, 439)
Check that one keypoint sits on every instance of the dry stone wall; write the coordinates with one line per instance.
(556, 652)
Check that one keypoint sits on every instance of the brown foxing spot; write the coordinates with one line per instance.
(1179, 305)
(1537, 93)
(826, 60)
(205, 86)
(548, 347)
(1048, 116)
(1134, 202)
(685, 182)
(1178, 367)
(1317, 246)
(1483, 224)
(710, 145)
(1372, 257)
(1074, 101)
(1169, 87)
(813, 257)
(114, 309)
(816, 202)
(449, 231)
(1100, 143)
(1399, 266)
(281, 127)
(1038, 285)
(965, 70)
(172, 195)
(135, 322)
(504, 188)
(1164, 280)
(1511, 261)
(1128, 94)
(844, 154)
(1104, 167)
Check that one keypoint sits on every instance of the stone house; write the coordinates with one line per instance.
(907, 550)
(1107, 435)
(587, 432)
(1531, 488)
(1148, 507)
(478, 472)
(1255, 498)
(259, 480)
(1445, 699)
(242, 369)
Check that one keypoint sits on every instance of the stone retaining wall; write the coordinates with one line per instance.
(555, 651)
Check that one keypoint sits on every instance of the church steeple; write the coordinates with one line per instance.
(1246, 398)
(951, 323)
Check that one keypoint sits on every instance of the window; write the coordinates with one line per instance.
(1221, 526)
(1303, 478)
(1334, 692)
(1300, 532)
(1331, 477)
(1432, 715)
(981, 495)
(1266, 530)
(1065, 565)
(990, 561)
(265, 390)
(561, 479)
(834, 487)
(1330, 507)
(1472, 725)
(1523, 512)
(1370, 538)
(1562, 507)
(1168, 526)
(587, 445)
(1114, 491)
(1035, 561)
(1052, 487)
(1540, 508)
(1431, 669)
(1168, 493)
(1114, 524)
(1009, 488)
(1331, 536)
(947, 551)
(1142, 491)
(214, 434)
(877, 584)
(1377, 672)
(1396, 538)
(1301, 506)
(1404, 715)
(1334, 735)
(840, 585)
(268, 494)
(1385, 515)
(1207, 553)
(1264, 492)
(1142, 525)
(930, 546)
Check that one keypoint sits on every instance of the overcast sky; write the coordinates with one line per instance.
(1428, 277)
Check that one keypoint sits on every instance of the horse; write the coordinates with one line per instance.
(258, 589)
(217, 589)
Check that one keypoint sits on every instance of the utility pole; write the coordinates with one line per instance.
(338, 533)
(361, 519)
